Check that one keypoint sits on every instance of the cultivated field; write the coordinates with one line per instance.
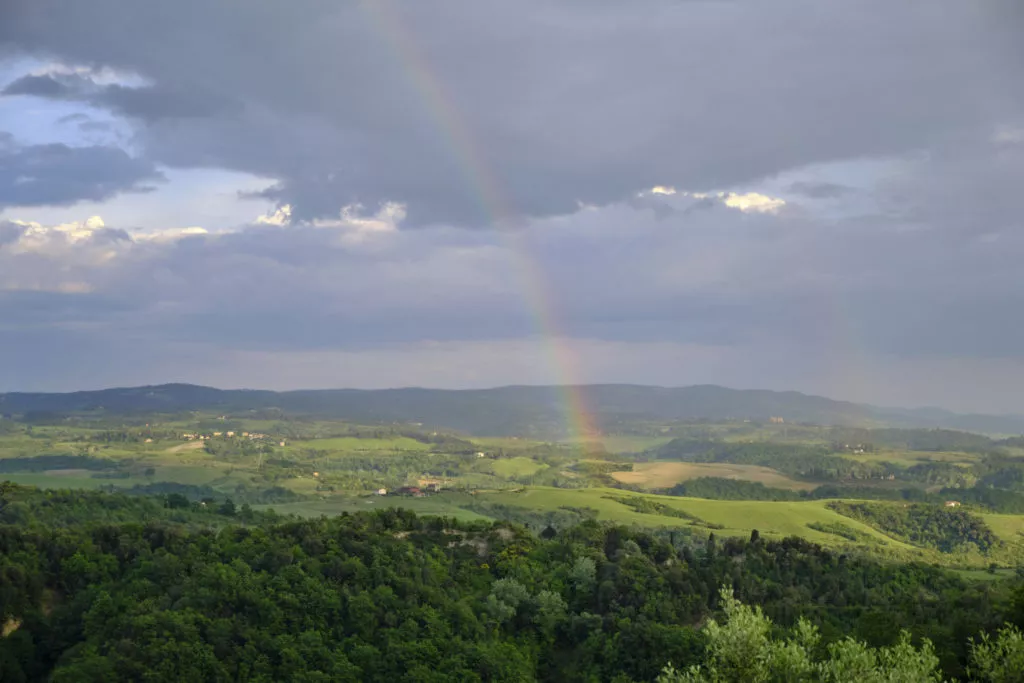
(659, 475)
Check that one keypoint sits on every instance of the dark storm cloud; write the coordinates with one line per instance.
(818, 190)
(56, 174)
(45, 85)
(551, 104)
(154, 104)
(139, 102)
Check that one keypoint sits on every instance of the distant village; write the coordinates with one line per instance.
(423, 488)
(251, 436)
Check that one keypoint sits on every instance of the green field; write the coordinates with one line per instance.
(1007, 527)
(506, 444)
(355, 445)
(444, 505)
(738, 518)
(189, 474)
(51, 480)
(306, 486)
(986, 574)
(516, 467)
(628, 443)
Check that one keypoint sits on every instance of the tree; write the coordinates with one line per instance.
(1000, 660)
(177, 501)
(583, 574)
(743, 650)
(711, 548)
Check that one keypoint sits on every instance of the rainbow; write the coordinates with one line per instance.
(561, 357)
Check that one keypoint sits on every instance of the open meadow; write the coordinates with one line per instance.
(723, 517)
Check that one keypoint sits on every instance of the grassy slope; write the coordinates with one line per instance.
(1010, 528)
(71, 480)
(446, 505)
(516, 467)
(627, 443)
(347, 444)
(666, 474)
(739, 518)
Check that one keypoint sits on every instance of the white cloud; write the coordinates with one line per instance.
(1009, 135)
(747, 202)
(168, 234)
(280, 216)
(36, 234)
(50, 238)
(100, 75)
(61, 287)
(354, 220)
(751, 202)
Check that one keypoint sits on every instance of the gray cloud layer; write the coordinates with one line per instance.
(893, 131)
(566, 103)
(149, 104)
(889, 282)
(56, 174)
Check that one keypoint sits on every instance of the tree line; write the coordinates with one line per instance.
(719, 488)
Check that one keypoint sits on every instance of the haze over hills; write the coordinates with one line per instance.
(507, 410)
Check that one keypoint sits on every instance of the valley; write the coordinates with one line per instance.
(694, 477)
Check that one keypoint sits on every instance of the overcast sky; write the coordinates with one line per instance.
(818, 195)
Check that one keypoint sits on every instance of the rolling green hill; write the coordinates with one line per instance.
(506, 410)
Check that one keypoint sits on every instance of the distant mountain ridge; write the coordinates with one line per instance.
(507, 410)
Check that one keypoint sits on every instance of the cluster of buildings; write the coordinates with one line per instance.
(252, 436)
(425, 487)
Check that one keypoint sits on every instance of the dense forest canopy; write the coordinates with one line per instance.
(100, 587)
(944, 529)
